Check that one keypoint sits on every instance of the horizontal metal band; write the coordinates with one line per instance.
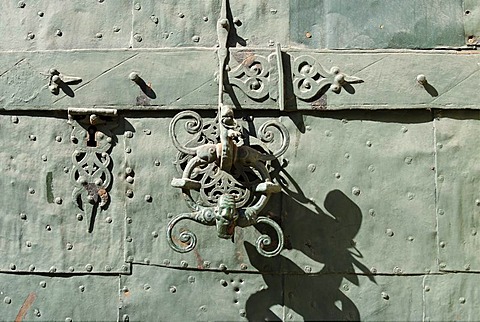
(186, 79)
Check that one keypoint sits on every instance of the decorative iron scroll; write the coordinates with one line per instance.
(260, 77)
(231, 179)
(309, 78)
(91, 174)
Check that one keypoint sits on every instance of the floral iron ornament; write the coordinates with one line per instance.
(222, 175)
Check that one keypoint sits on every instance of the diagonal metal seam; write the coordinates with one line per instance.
(190, 92)
(98, 76)
(456, 85)
(14, 65)
(370, 65)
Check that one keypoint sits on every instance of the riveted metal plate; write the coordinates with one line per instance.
(193, 23)
(472, 26)
(69, 298)
(352, 298)
(210, 296)
(53, 25)
(458, 187)
(41, 227)
(451, 297)
(154, 202)
(370, 24)
(359, 189)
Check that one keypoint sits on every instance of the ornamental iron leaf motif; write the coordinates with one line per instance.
(229, 193)
(309, 78)
(260, 77)
(91, 173)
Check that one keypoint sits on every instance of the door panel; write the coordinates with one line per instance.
(42, 228)
(458, 206)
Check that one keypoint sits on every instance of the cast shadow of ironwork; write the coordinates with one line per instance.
(326, 237)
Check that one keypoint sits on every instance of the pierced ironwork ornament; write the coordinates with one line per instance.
(91, 174)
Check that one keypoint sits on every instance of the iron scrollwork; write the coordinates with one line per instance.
(231, 178)
(309, 78)
(91, 174)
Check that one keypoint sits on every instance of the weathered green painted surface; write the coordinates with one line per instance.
(379, 185)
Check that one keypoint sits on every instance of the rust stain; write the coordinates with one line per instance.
(199, 259)
(25, 306)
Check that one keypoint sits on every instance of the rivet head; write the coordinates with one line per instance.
(7, 300)
(88, 267)
(385, 296)
(137, 37)
(129, 193)
(116, 29)
(13, 267)
(205, 18)
(32, 137)
(44, 158)
(427, 288)
(154, 234)
(442, 244)
(191, 279)
(184, 263)
(129, 220)
(443, 265)
(71, 269)
(206, 264)
(243, 267)
(408, 160)
(196, 38)
(368, 143)
(397, 270)
(311, 167)
(356, 191)
(371, 212)
(224, 283)
(126, 318)
(58, 200)
(307, 269)
(14, 119)
(98, 35)
(30, 35)
(242, 313)
(181, 15)
(129, 179)
(166, 262)
(79, 217)
(40, 13)
(129, 239)
(81, 288)
(108, 220)
(43, 284)
(31, 268)
(477, 202)
(172, 289)
(129, 134)
(373, 270)
(69, 246)
(21, 4)
(137, 6)
(422, 79)
(148, 198)
(28, 243)
(337, 175)
(128, 170)
(52, 269)
(128, 150)
(154, 19)
(410, 238)
(147, 287)
(59, 33)
(222, 267)
(23, 216)
(68, 319)
(157, 163)
(462, 300)
(441, 212)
